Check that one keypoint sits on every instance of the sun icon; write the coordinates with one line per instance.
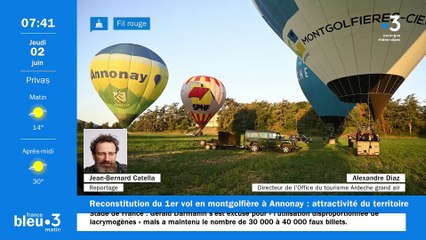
(38, 113)
(38, 166)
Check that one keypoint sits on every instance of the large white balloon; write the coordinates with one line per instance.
(362, 50)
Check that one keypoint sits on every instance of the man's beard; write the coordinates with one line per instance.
(101, 168)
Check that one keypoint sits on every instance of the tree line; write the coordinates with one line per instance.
(401, 117)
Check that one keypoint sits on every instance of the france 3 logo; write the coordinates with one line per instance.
(48, 223)
(394, 25)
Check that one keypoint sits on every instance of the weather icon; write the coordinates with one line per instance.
(38, 166)
(38, 113)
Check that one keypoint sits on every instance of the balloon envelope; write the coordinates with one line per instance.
(362, 50)
(202, 97)
(323, 101)
(128, 78)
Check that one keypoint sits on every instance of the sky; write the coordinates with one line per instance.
(225, 39)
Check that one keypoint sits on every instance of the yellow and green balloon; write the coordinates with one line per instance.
(128, 78)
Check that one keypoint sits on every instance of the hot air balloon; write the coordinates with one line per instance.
(323, 101)
(128, 78)
(202, 97)
(362, 50)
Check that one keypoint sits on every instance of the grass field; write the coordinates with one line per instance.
(188, 169)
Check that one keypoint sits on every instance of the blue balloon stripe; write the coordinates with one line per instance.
(133, 50)
(322, 99)
(277, 12)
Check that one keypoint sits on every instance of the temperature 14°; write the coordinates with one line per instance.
(38, 127)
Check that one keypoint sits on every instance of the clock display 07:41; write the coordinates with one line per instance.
(37, 23)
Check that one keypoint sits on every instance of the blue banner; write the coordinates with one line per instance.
(132, 23)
